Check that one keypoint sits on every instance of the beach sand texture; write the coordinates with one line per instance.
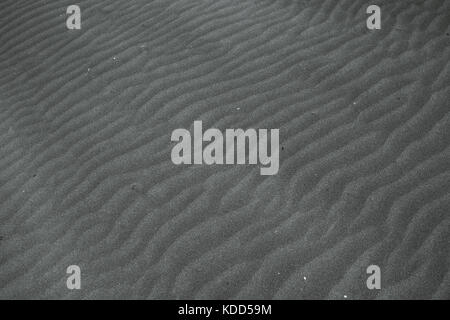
(86, 176)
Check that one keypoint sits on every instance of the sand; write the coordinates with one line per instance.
(86, 176)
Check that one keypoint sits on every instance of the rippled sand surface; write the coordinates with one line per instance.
(86, 176)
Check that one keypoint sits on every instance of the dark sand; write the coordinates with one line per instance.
(86, 176)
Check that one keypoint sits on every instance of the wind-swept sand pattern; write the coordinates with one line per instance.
(86, 176)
